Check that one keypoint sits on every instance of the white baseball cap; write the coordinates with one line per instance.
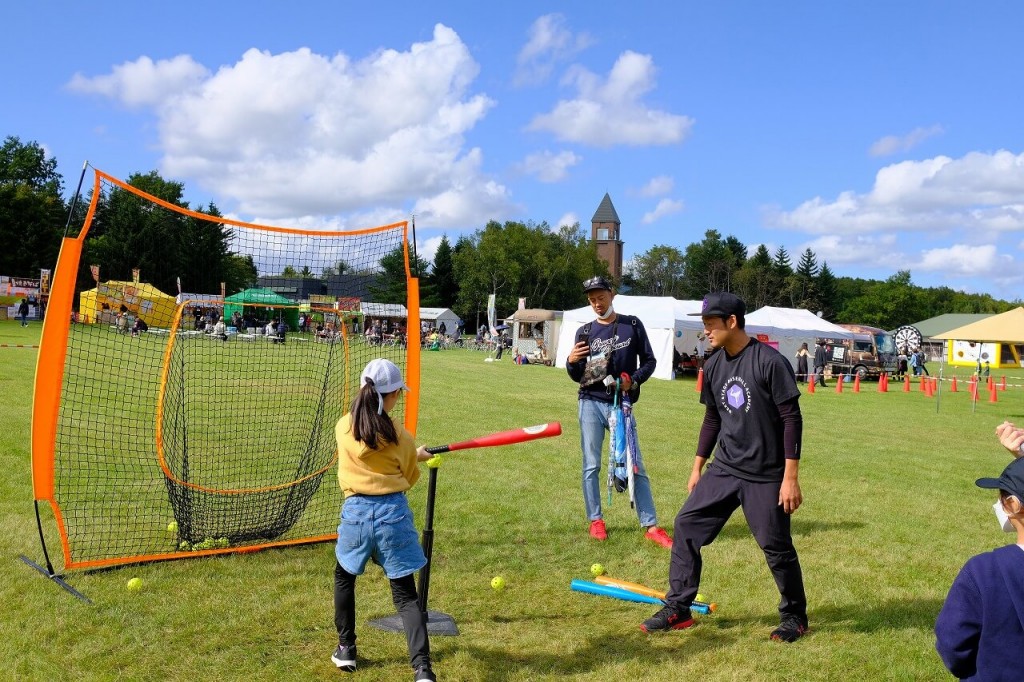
(385, 375)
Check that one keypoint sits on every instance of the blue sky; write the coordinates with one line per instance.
(882, 135)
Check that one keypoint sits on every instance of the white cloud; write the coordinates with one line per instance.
(548, 166)
(964, 260)
(979, 192)
(891, 144)
(665, 207)
(299, 133)
(609, 112)
(657, 186)
(870, 251)
(144, 82)
(568, 220)
(550, 43)
(427, 248)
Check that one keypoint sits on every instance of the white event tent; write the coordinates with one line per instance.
(435, 316)
(790, 327)
(667, 321)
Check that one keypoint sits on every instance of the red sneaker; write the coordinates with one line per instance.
(597, 530)
(655, 534)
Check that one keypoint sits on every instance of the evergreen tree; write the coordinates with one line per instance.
(445, 288)
(390, 286)
(803, 289)
(828, 292)
(757, 281)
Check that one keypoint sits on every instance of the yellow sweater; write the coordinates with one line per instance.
(388, 469)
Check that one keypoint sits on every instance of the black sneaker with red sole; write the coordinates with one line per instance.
(669, 618)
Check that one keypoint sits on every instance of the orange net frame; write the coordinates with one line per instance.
(209, 426)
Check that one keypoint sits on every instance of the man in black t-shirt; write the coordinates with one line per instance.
(752, 414)
(619, 344)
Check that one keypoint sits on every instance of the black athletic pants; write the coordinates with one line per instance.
(703, 516)
(403, 593)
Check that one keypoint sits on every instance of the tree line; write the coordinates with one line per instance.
(511, 260)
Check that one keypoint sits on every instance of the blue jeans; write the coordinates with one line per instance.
(593, 426)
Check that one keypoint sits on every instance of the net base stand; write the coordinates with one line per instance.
(437, 624)
(56, 578)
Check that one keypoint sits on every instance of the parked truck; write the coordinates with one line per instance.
(870, 352)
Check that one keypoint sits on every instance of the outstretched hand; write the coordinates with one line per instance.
(1010, 437)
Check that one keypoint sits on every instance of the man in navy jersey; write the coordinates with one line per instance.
(607, 348)
(752, 414)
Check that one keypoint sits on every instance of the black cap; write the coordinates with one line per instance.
(721, 304)
(1011, 480)
(595, 283)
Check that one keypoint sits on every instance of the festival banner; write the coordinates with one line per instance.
(492, 321)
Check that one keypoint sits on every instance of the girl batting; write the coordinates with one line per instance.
(377, 464)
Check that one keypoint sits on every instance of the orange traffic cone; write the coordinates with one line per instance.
(906, 383)
(1002, 384)
(972, 388)
(952, 385)
(992, 394)
(810, 385)
(883, 383)
(856, 384)
(839, 383)
(700, 379)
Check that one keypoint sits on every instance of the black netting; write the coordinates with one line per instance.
(211, 423)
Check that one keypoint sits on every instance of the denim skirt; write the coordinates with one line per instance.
(379, 527)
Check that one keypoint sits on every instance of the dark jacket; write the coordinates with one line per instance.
(980, 629)
(637, 359)
(819, 357)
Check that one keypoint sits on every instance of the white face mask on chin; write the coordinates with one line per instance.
(1004, 520)
(608, 313)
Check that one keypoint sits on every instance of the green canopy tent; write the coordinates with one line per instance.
(270, 305)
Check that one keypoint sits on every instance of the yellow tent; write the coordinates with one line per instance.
(142, 300)
(995, 340)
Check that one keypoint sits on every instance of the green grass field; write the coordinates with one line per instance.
(890, 515)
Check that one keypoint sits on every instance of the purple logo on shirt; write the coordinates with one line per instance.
(736, 396)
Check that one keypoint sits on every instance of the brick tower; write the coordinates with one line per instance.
(604, 232)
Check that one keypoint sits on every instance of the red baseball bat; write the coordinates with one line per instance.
(503, 438)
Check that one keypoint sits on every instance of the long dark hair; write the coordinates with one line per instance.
(375, 430)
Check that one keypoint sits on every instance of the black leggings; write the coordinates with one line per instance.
(403, 594)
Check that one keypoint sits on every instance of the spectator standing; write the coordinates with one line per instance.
(23, 312)
(820, 358)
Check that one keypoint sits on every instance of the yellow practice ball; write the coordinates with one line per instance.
(597, 569)
(135, 584)
(434, 461)
(498, 583)
(700, 597)
(172, 527)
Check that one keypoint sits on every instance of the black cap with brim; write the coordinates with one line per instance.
(595, 283)
(721, 304)
(1011, 480)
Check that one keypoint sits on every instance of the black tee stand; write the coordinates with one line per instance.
(437, 623)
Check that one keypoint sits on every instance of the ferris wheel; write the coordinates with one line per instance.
(907, 338)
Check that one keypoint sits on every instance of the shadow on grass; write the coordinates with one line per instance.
(799, 527)
(599, 651)
(894, 614)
